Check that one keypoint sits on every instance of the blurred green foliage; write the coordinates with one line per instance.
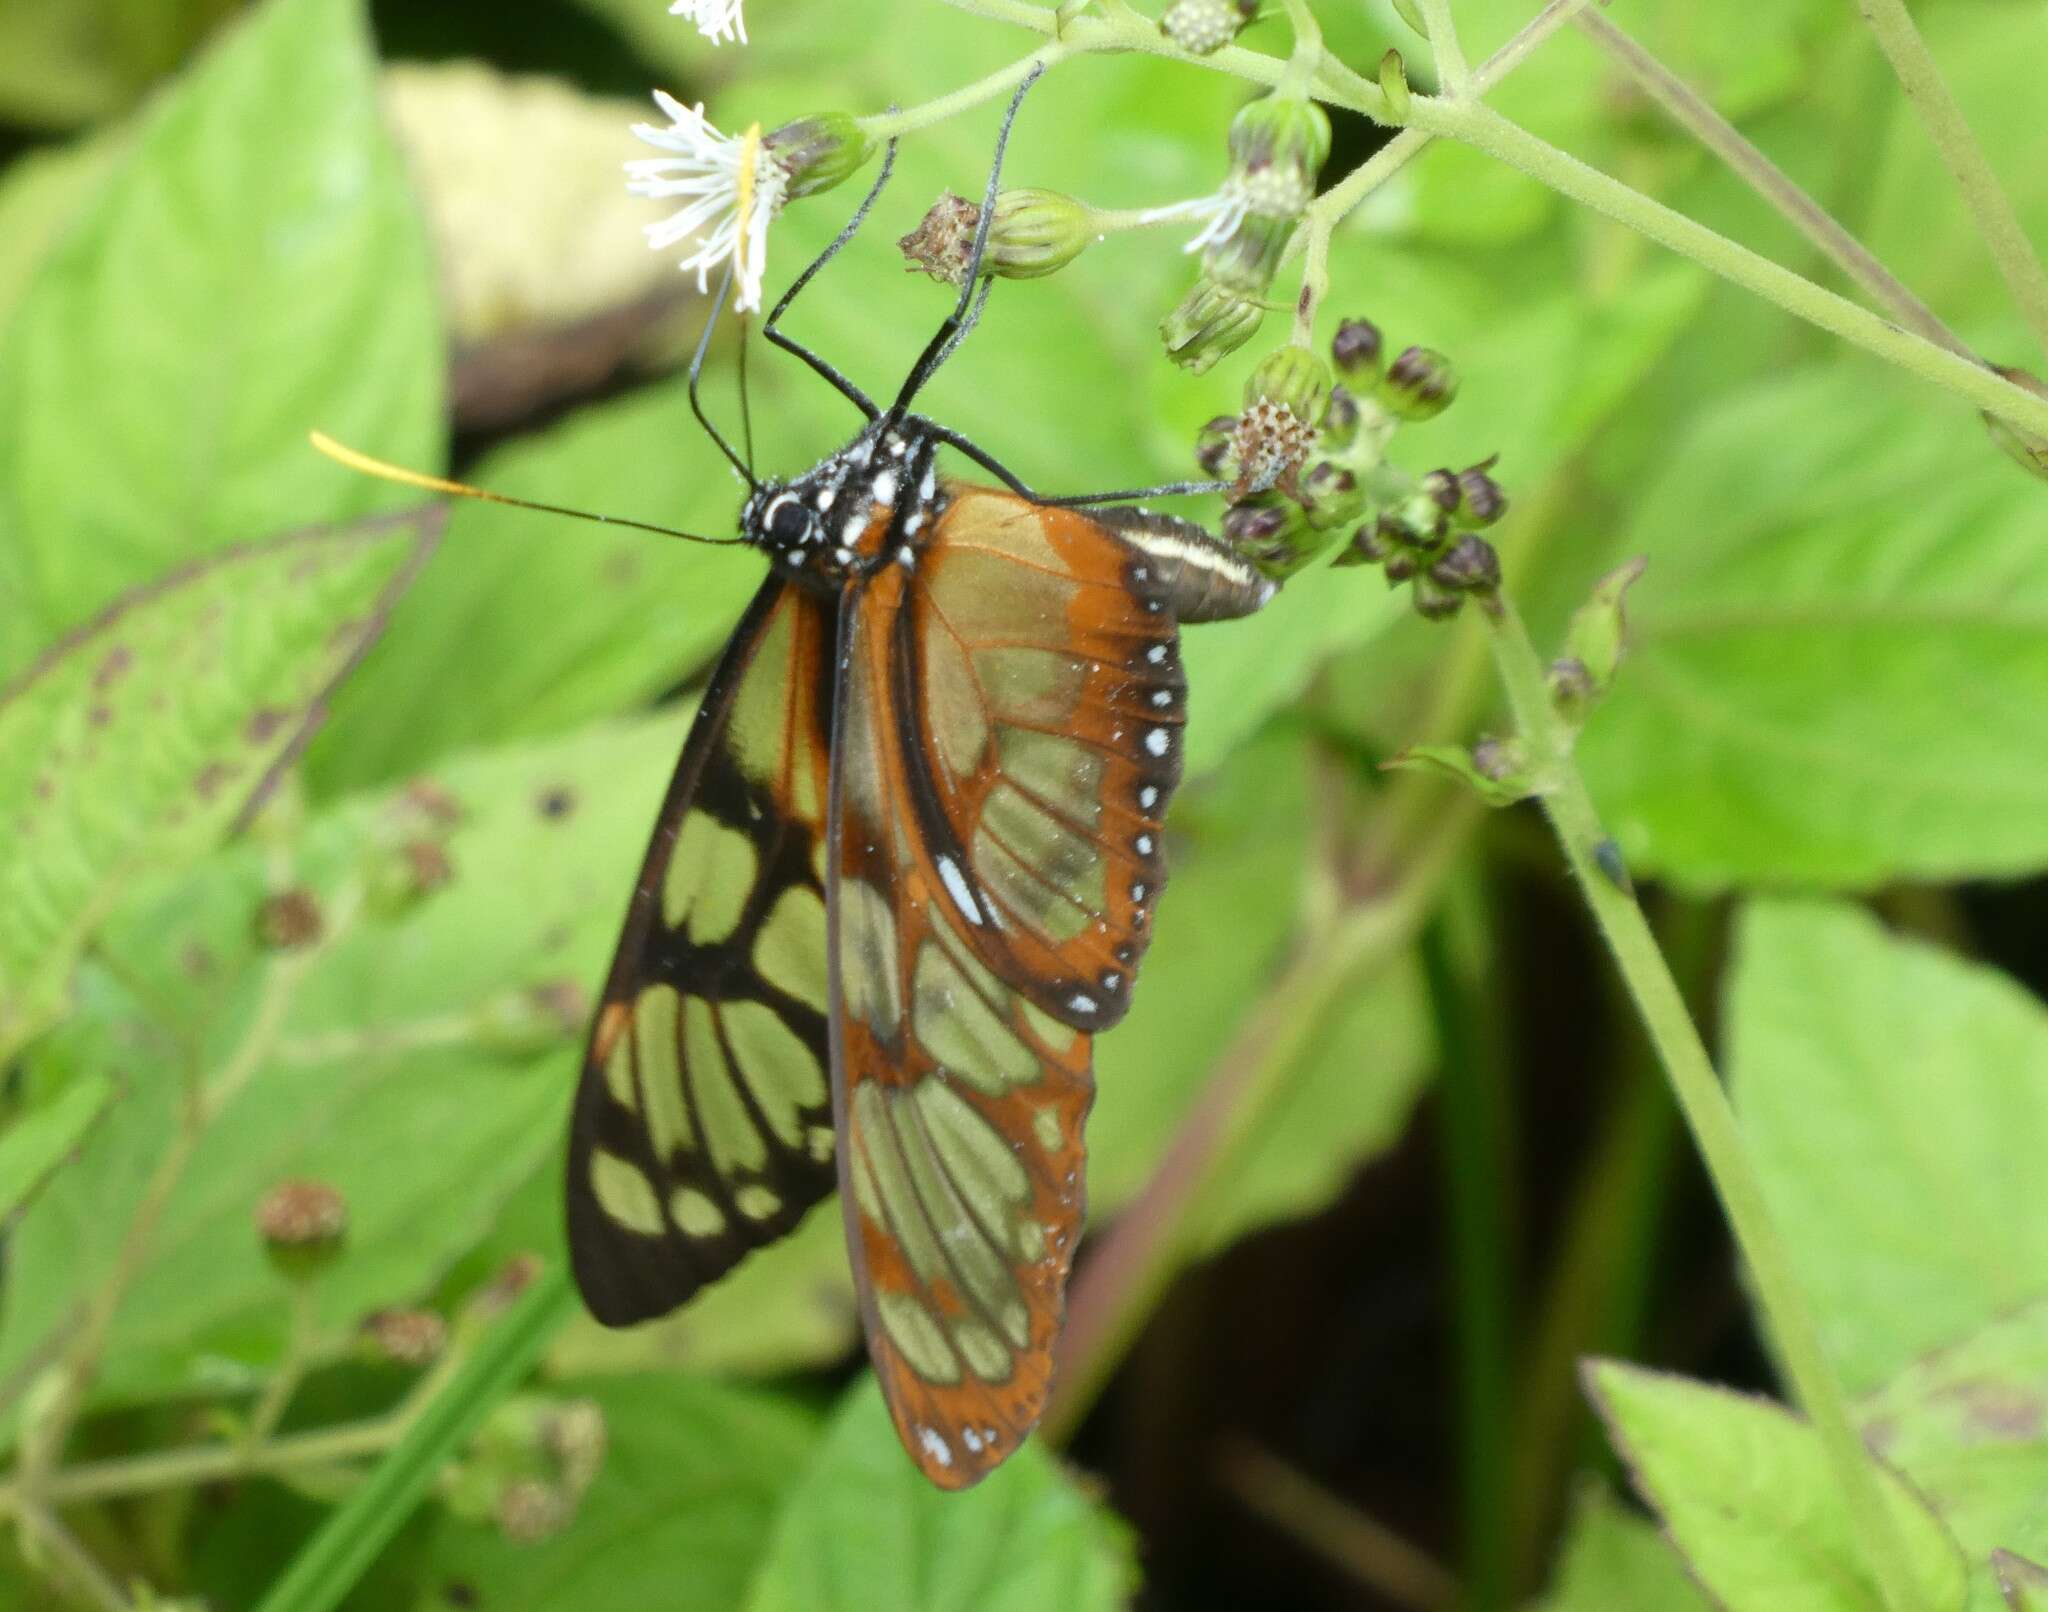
(1837, 682)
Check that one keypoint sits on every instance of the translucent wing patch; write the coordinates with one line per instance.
(703, 1121)
(962, 1106)
(1038, 665)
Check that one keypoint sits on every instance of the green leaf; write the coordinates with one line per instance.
(1612, 1559)
(1896, 1100)
(42, 1133)
(136, 742)
(69, 61)
(379, 1077)
(364, 1523)
(529, 624)
(255, 268)
(1839, 666)
(40, 194)
(865, 1529)
(1747, 1496)
(1968, 1425)
(679, 1517)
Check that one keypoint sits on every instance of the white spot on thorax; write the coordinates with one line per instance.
(929, 485)
(885, 487)
(825, 498)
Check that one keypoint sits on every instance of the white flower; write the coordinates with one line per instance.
(735, 188)
(1224, 209)
(716, 20)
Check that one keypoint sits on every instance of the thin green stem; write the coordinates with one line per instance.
(1943, 119)
(1704, 1104)
(1453, 73)
(76, 1562)
(291, 1369)
(1472, 1106)
(1481, 127)
(1308, 36)
(1687, 108)
(887, 125)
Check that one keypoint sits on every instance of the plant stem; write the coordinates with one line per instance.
(1471, 1105)
(1705, 1105)
(1453, 75)
(1481, 127)
(298, 1350)
(1943, 119)
(887, 125)
(1691, 112)
(86, 1574)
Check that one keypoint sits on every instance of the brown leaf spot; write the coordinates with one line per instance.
(211, 779)
(263, 724)
(289, 920)
(1999, 1412)
(564, 1001)
(556, 802)
(100, 715)
(196, 960)
(433, 802)
(43, 788)
(426, 865)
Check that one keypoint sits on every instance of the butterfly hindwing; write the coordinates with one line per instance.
(703, 1121)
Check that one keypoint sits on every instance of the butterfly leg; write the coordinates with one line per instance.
(973, 296)
(772, 327)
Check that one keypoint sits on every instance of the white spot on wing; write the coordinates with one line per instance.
(1156, 654)
(1144, 844)
(1157, 740)
(1148, 797)
(1081, 1002)
(957, 888)
(934, 1446)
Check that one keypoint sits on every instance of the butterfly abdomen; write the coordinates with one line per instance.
(1187, 572)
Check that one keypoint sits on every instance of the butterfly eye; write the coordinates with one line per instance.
(788, 521)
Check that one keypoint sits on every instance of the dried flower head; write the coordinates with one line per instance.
(406, 1337)
(303, 1225)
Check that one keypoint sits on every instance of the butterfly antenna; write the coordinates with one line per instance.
(697, 372)
(973, 296)
(436, 484)
(746, 409)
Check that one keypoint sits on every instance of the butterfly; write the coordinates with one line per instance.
(904, 874)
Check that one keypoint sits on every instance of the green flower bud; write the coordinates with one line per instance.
(1212, 321)
(1293, 377)
(1200, 27)
(1284, 135)
(303, 1225)
(1419, 385)
(819, 151)
(1035, 232)
(1417, 522)
(1330, 495)
(1356, 349)
(1248, 257)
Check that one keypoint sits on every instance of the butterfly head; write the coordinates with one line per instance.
(873, 504)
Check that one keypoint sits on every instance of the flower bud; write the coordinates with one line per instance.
(1400, 565)
(819, 151)
(1201, 27)
(1286, 137)
(1416, 522)
(1442, 485)
(1247, 258)
(1480, 499)
(303, 1225)
(1432, 600)
(1419, 385)
(1340, 419)
(1365, 548)
(1356, 349)
(1214, 444)
(1273, 533)
(1469, 565)
(1212, 321)
(1035, 232)
(1296, 379)
(1330, 495)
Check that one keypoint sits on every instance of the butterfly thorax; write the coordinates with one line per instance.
(874, 504)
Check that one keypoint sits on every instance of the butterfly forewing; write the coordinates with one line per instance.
(703, 1122)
